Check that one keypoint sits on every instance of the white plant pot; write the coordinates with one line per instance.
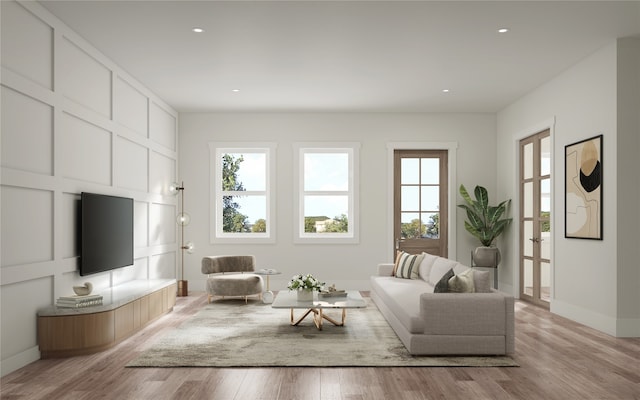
(305, 295)
(486, 256)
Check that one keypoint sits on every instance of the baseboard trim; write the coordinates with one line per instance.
(506, 288)
(584, 316)
(19, 360)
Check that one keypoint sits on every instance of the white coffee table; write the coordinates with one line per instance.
(289, 299)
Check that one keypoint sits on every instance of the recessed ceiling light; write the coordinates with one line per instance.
(503, 30)
(235, 90)
(445, 90)
(197, 30)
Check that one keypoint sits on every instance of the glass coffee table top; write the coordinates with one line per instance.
(289, 299)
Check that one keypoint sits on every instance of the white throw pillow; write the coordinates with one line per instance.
(440, 267)
(426, 265)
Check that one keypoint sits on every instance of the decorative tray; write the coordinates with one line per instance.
(334, 293)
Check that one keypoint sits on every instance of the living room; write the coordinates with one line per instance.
(66, 95)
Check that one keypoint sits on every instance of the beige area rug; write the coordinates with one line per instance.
(228, 333)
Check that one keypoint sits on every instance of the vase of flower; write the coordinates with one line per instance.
(304, 285)
(305, 295)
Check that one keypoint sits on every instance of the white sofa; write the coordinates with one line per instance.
(428, 323)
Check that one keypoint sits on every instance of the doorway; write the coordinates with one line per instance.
(421, 201)
(535, 218)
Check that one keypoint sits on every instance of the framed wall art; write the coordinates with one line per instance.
(583, 189)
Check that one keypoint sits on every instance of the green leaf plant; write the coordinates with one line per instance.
(483, 220)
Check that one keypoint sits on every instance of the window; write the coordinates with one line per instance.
(242, 191)
(326, 185)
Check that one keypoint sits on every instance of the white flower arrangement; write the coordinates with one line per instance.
(305, 282)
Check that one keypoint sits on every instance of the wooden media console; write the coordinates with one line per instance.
(126, 308)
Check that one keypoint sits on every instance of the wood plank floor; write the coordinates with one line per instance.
(558, 359)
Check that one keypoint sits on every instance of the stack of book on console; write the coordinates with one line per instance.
(79, 301)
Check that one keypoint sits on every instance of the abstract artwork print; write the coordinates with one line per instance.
(583, 189)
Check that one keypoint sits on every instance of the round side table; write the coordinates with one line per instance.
(267, 296)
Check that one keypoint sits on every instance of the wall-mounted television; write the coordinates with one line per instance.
(106, 233)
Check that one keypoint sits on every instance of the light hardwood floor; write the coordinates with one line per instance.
(558, 359)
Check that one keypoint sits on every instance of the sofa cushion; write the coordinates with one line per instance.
(462, 283)
(425, 266)
(443, 284)
(402, 297)
(460, 268)
(408, 265)
(440, 267)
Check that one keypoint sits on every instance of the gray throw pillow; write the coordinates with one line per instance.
(482, 281)
(443, 284)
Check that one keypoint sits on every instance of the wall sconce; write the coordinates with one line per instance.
(182, 219)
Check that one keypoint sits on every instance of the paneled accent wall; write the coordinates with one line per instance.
(72, 121)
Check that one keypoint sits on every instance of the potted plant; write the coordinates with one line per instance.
(485, 223)
(304, 285)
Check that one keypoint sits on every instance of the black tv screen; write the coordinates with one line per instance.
(106, 237)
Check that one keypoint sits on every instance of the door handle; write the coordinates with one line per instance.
(534, 240)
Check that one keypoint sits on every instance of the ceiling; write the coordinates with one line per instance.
(346, 56)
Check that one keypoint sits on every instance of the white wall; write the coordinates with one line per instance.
(580, 103)
(346, 265)
(628, 186)
(72, 121)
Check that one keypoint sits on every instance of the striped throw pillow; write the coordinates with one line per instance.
(407, 265)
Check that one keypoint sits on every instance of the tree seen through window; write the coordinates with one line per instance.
(233, 215)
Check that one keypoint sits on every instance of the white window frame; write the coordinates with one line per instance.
(216, 150)
(352, 149)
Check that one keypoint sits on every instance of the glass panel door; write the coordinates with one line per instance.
(420, 201)
(535, 219)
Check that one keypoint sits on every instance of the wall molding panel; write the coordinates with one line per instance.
(27, 31)
(32, 121)
(73, 121)
(130, 106)
(82, 78)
